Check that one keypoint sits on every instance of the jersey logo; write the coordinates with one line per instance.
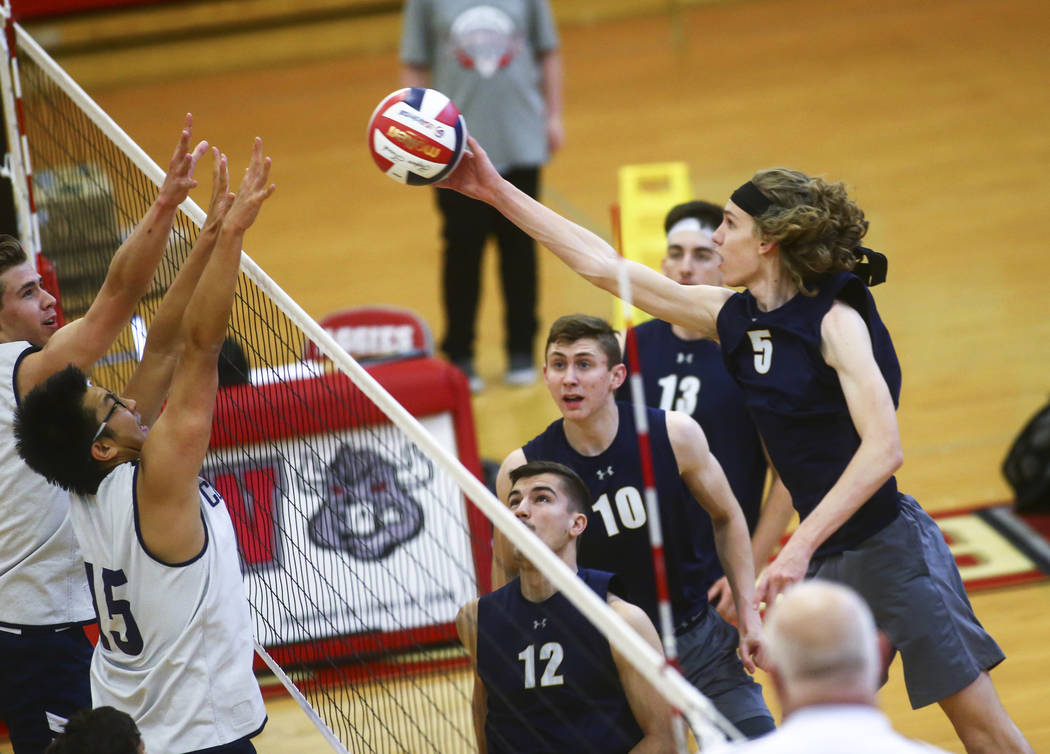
(539, 623)
(602, 473)
(369, 510)
(252, 492)
(684, 358)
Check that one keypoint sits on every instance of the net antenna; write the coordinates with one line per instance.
(352, 514)
(721, 727)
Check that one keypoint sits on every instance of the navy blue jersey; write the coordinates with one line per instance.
(690, 376)
(551, 681)
(617, 536)
(797, 401)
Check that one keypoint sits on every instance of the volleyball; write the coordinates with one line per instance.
(416, 136)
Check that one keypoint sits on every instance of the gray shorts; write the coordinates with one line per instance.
(707, 654)
(910, 581)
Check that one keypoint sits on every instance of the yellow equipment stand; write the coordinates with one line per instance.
(646, 193)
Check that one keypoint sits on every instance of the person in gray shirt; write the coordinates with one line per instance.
(498, 61)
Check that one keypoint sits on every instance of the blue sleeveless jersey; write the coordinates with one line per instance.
(617, 536)
(797, 402)
(690, 376)
(551, 681)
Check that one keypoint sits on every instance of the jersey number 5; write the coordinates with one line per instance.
(762, 345)
(131, 642)
(552, 652)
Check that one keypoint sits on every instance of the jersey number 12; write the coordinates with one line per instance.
(553, 653)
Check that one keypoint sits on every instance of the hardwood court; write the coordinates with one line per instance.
(934, 113)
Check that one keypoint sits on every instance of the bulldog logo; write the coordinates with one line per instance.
(369, 510)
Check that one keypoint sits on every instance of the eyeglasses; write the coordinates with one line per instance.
(109, 414)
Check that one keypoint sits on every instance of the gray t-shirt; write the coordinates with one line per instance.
(485, 57)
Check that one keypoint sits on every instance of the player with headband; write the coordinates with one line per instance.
(683, 371)
(820, 377)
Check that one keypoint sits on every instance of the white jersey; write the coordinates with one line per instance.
(175, 646)
(41, 572)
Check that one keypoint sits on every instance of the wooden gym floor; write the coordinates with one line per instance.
(935, 113)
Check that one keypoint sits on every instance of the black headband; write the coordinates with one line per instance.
(872, 268)
(750, 199)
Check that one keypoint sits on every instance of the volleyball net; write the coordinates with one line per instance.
(361, 531)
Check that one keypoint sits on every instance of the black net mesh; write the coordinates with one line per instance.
(355, 545)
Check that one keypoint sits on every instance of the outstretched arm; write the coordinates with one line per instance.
(705, 479)
(85, 341)
(695, 307)
(846, 347)
(174, 449)
(150, 381)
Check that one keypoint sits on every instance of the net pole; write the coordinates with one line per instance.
(641, 423)
(17, 143)
(301, 700)
(652, 505)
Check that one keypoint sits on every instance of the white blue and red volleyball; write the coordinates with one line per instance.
(417, 136)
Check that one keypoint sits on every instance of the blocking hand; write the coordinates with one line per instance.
(254, 190)
(179, 179)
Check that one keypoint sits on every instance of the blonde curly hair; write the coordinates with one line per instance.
(819, 228)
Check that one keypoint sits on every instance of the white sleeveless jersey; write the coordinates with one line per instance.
(41, 572)
(175, 648)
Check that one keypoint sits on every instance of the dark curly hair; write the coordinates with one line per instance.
(709, 215)
(573, 327)
(103, 730)
(54, 432)
(819, 228)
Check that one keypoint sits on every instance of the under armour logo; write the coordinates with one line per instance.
(685, 358)
(608, 471)
(540, 623)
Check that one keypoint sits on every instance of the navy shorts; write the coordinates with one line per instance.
(707, 654)
(44, 679)
(910, 581)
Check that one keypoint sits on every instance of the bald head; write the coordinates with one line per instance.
(822, 643)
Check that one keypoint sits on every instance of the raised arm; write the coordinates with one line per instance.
(650, 709)
(846, 347)
(695, 307)
(174, 449)
(705, 479)
(150, 381)
(130, 271)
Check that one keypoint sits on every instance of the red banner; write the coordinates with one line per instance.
(27, 9)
